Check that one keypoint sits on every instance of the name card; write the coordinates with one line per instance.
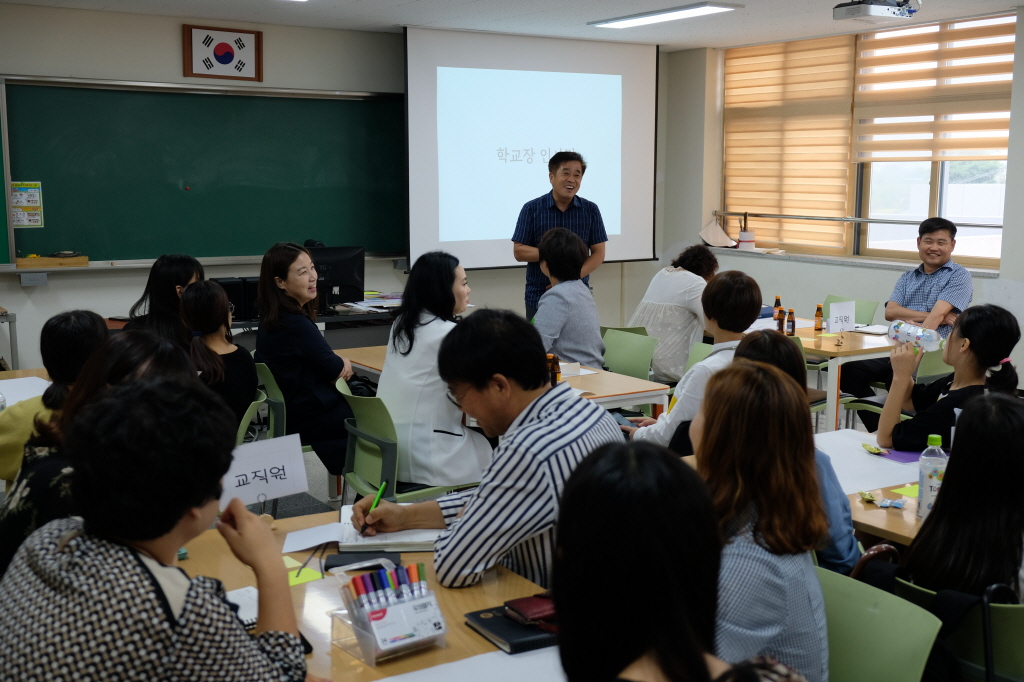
(841, 317)
(272, 468)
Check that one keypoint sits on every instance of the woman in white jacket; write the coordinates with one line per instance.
(434, 446)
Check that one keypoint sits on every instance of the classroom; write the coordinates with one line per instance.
(361, 49)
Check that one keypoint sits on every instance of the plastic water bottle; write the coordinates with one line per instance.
(925, 339)
(932, 470)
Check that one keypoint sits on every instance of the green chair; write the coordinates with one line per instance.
(859, 646)
(932, 367)
(628, 353)
(642, 331)
(699, 351)
(967, 641)
(276, 423)
(247, 418)
(372, 454)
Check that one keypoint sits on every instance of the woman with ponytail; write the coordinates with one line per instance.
(978, 349)
(65, 343)
(226, 368)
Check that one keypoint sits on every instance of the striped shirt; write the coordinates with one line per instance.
(918, 290)
(510, 518)
(582, 218)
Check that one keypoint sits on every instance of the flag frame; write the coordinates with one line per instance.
(189, 50)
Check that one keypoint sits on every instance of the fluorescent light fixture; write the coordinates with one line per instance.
(686, 12)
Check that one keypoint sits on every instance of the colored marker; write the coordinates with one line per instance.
(403, 581)
(385, 581)
(422, 572)
(357, 586)
(371, 595)
(376, 501)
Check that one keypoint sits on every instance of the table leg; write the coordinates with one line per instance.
(832, 392)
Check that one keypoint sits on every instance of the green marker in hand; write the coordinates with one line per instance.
(376, 501)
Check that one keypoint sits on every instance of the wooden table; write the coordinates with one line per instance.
(209, 555)
(22, 373)
(854, 346)
(607, 389)
(898, 525)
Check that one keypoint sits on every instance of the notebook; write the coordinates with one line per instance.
(349, 539)
(247, 601)
(508, 635)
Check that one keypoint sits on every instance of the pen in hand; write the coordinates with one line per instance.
(376, 501)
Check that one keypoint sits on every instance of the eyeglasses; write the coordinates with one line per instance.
(452, 399)
(231, 307)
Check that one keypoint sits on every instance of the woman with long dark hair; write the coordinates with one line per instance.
(301, 360)
(978, 349)
(628, 636)
(434, 447)
(226, 368)
(65, 342)
(755, 449)
(965, 545)
(159, 309)
(42, 490)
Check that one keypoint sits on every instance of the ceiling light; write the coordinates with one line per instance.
(686, 12)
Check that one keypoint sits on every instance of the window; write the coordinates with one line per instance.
(895, 125)
(930, 127)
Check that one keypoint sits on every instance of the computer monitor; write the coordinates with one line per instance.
(340, 273)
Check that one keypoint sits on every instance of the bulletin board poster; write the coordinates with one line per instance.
(27, 204)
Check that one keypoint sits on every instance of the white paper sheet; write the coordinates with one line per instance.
(16, 390)
(855, 468)
(542, 665)
(573, 369)
(769, 323)
(347, 537)
(272, 467)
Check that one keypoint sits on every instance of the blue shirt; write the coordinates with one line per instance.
(841, 553)
(919, 291)
(582, 218)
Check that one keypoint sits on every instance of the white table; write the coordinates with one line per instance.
(856, 468)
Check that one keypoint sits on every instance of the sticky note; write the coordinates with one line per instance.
(824, 335)
(908, 491)
(291, 563)
(307, 575)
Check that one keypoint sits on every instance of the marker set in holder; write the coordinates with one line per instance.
(387, 613)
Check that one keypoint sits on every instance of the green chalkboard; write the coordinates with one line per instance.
(130, 174)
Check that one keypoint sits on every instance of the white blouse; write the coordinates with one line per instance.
(671, 312)
(434, 447)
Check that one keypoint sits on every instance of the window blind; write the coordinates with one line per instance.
(787, 138)
(934, 93)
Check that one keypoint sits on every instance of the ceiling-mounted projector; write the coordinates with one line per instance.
(875, 11)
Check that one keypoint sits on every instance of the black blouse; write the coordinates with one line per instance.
(240, 381)
(936, 408)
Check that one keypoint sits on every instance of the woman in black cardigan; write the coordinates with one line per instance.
(298, 356)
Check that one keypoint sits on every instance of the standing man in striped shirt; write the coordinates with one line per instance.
(558, 208)
(495, 367)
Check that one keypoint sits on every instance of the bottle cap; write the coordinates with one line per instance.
(935, 440)
(790, 310)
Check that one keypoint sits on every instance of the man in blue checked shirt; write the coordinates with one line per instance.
(558, 208)
(931, 295)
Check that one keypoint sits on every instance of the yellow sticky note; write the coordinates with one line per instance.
(307, 575)
(824, 335)
(291, 563)
(909, 491)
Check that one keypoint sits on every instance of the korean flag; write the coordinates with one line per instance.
(223, 53)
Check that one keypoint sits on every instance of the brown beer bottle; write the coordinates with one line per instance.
(778, 308)
(554, 369)
(819, 319)
(780, 321)
(791, 324)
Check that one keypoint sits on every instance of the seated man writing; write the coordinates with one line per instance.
(495, 368)
(931, 295)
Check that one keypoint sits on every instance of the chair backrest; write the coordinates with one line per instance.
(697, 353)
(932, 366)
(250, 412)
(863, 311)
(629, 354)
(274, 400)
(372, 417)
(967, 641)
(857, 649)
(642, 331)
